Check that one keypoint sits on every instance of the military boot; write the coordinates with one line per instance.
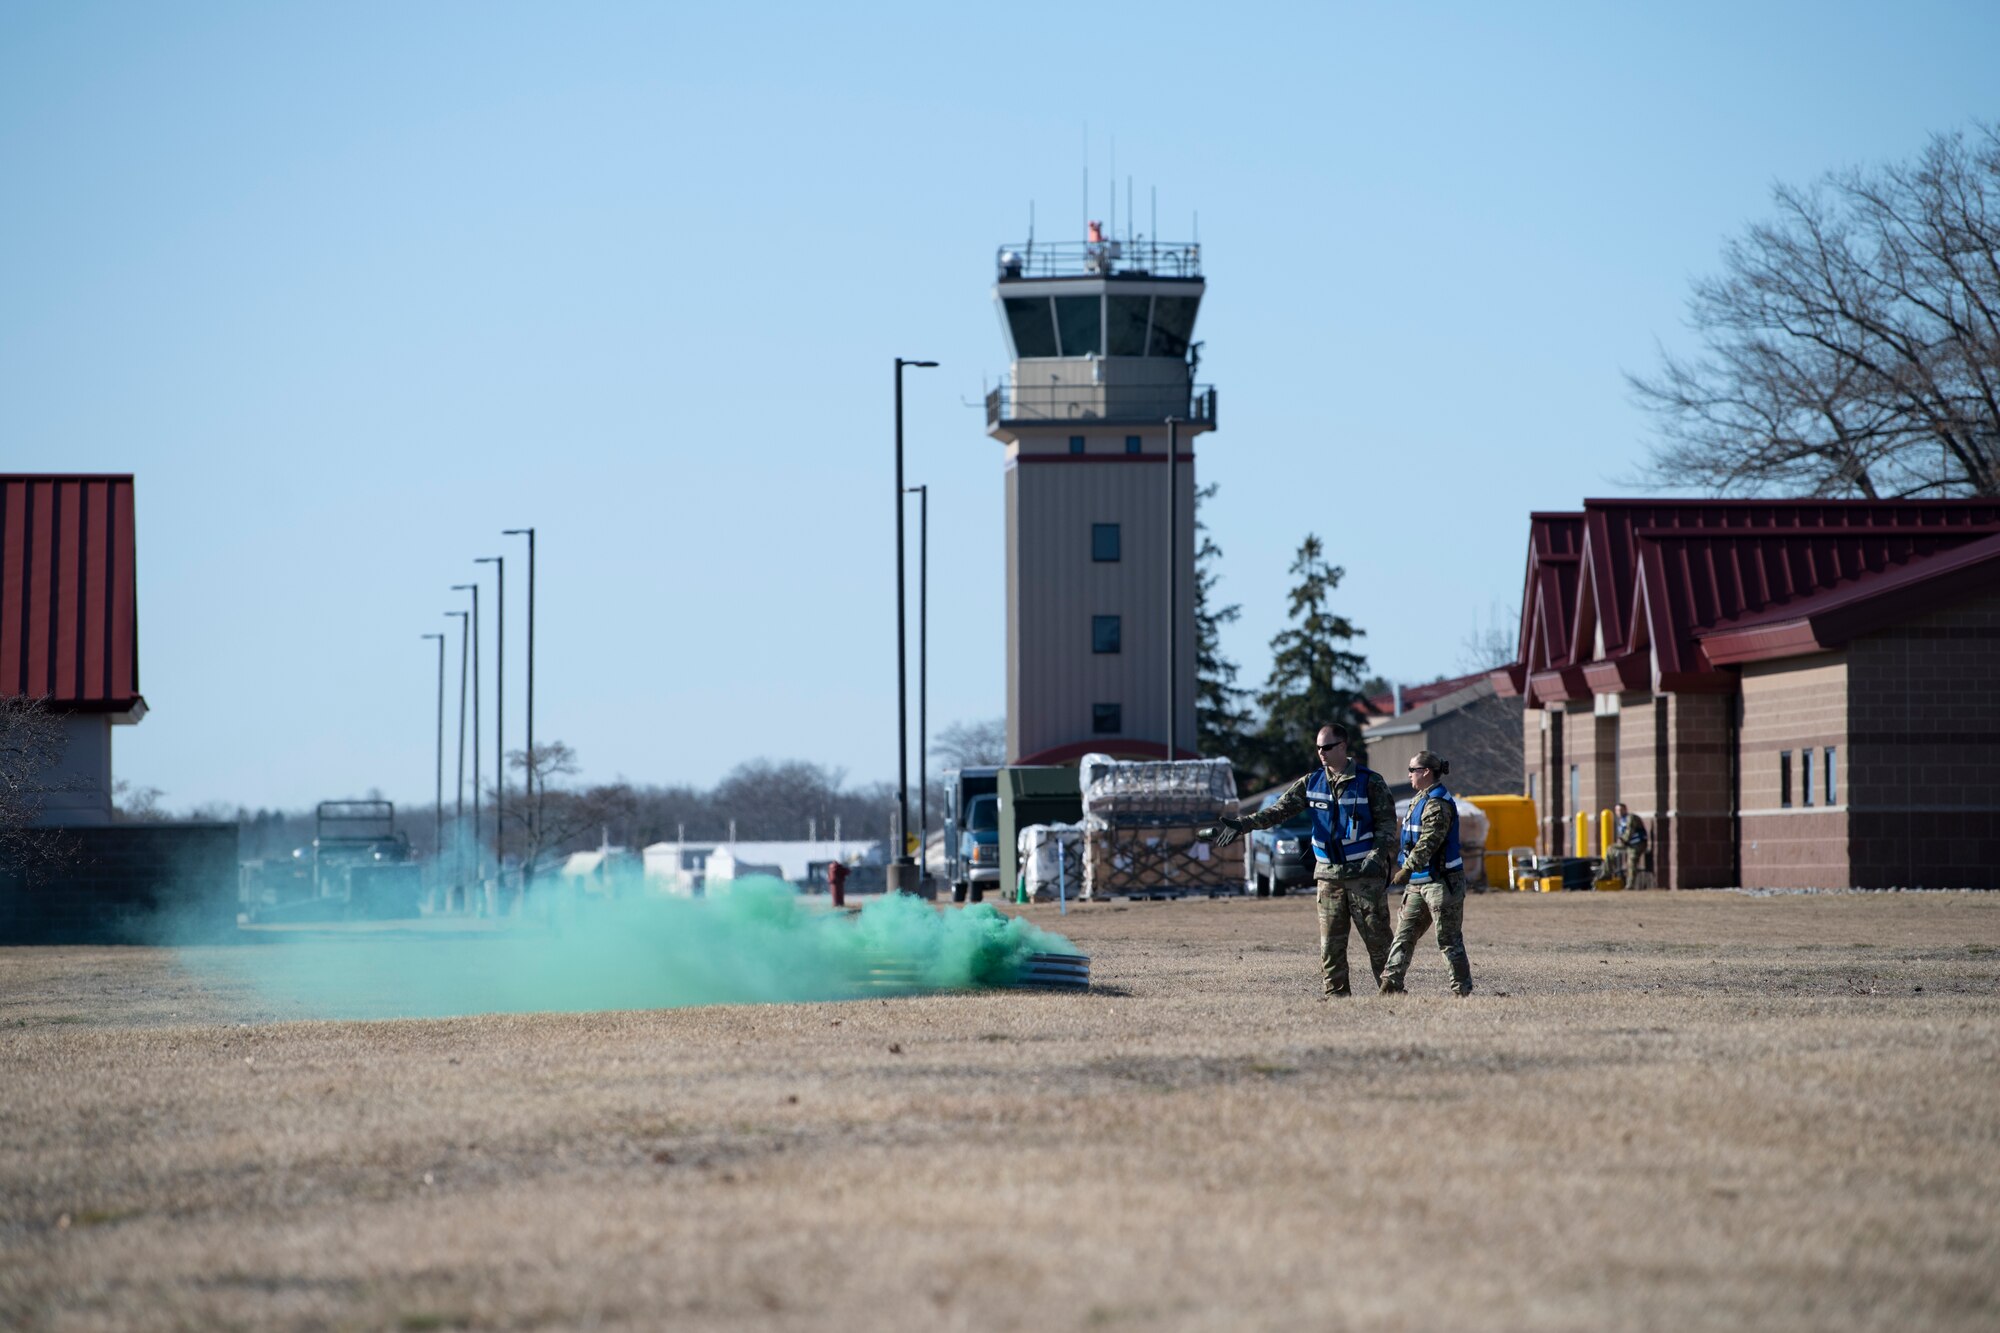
(1392, 985)
(1461, 977)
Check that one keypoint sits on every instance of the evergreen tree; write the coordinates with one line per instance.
(1222, 723)
(1315, 678)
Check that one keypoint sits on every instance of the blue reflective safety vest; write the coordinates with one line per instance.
(1343, 827)
(1447, 858)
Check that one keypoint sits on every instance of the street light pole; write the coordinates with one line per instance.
(923, 675)
(499, 562)
(528, 769)
(478, 836)
(458, 815)
(1173, 588)
(903, 874)
(437, 843)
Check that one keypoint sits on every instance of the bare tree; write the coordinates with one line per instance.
(529, 816)
(1493, 644)
(1853, 342)
(966, 744)
(31, 745)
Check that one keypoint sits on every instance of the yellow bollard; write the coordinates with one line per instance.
(1582, 833)
(1607, 826)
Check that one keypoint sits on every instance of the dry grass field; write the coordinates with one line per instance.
(1659, 1112)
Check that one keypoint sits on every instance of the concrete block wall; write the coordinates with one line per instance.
(1789, 707)
(126, 883)
(1923, 785)
(1542, 747)
(1699, 840)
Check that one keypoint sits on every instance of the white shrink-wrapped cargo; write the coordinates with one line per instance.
(1051, 860)
(1155, 791)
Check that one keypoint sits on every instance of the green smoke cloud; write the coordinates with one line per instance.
(756, 944)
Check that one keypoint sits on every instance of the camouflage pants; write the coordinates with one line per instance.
(1421, 903)
(1365, 902)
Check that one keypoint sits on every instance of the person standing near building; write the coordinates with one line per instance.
(1433, 876)
(1353, 842)
(1628, 834)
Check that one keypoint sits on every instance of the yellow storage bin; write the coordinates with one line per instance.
(1510, 822)
(1610, 885)
(1552, 884)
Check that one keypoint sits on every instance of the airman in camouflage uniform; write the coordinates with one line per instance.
(1354, 844)
(1433, 878)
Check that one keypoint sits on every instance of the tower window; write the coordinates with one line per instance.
(1132, 444)
(1104, 634)
(1173, 325)
(1028, 322)
(1104, 542)
(1784, 779)
(1127, 321)
(1079, 325)
(1107, 719)
(1076, 444)
(1832, 776)
(1805, 775)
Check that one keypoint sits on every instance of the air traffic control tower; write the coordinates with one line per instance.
(1102, 339)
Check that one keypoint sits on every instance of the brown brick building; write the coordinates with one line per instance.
(1791, 693)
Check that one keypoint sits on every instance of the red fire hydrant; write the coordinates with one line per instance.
(836, 882)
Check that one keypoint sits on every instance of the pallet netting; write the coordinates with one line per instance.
(1148, 860)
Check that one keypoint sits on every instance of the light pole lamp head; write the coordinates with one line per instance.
(915, 490)
(921, 365)
(517, 532)
(465, 587)
(489, 559)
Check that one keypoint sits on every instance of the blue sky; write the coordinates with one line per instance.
(352, 287)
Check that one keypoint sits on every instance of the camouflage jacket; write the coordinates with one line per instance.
(1380, 804)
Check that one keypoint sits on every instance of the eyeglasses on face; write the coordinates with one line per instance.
(1418, 768)
(1335, 745)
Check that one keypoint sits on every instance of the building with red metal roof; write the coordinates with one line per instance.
(69, 623)
(1792, 693)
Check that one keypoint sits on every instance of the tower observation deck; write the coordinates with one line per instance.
(1100, 335)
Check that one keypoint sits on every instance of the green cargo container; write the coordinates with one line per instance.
(1030, 796)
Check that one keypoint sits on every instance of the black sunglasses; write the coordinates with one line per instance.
(1418, 768)
(1334, 746)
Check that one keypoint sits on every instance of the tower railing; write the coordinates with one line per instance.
(1098, 259)
(1125, 405)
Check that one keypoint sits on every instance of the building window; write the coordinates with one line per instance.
(1076, 444)
(1104, 542)
(1079, 323)
(1107, 719)
(1104, 634)
(1531, 786)
(1805, 776)
(1133, 444)
(1832, 779)
(1575, 787)
(1784, 779)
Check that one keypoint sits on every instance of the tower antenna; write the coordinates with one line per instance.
(1086, 178)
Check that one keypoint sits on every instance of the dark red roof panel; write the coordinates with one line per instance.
(69, 623)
